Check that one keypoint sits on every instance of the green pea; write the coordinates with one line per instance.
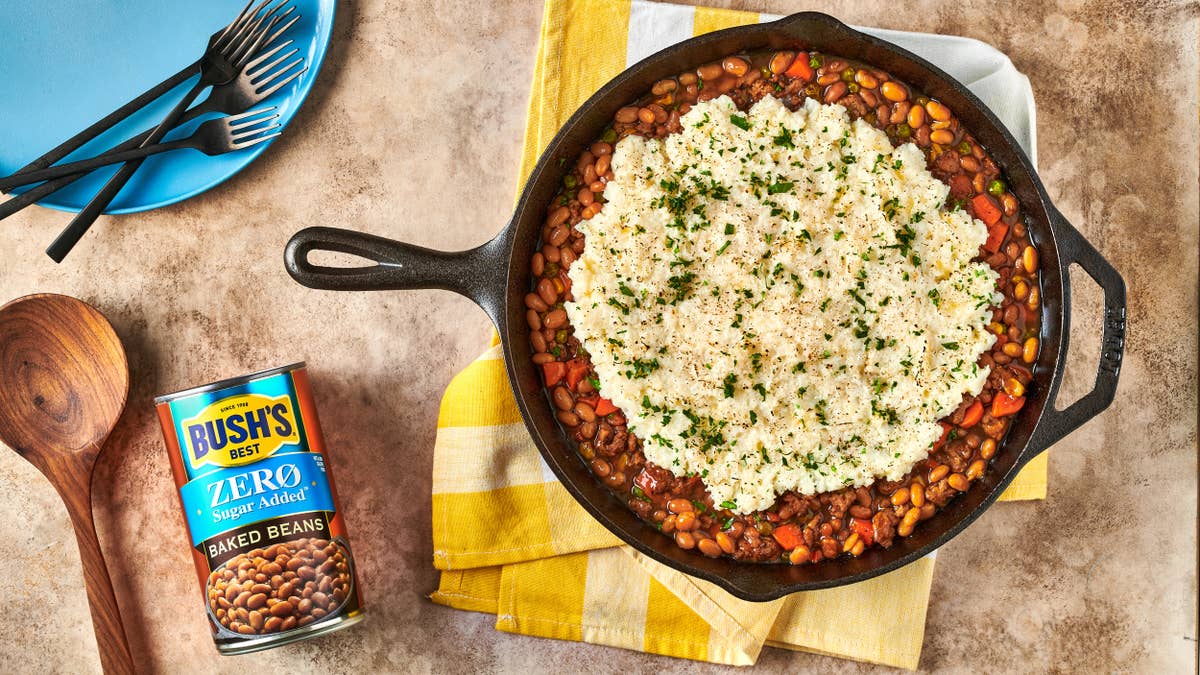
(903, 130)
(609, 136)
(964, 148)
(816, 61)
(996, 187)
(551, 270)
(561, 336)
(569, 181)
(852, 88)
(848, 75)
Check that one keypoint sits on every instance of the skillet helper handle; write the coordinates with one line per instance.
(1073, 248)
(479, 274)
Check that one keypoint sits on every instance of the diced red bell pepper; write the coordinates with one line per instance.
(1004, 405)
(788, 536)
(577, 369)
(565, 279)
(865, 529)
(985, 209)
(604, 406)
(800, 69)
(554, 371)
(996, 234)
(973, 415)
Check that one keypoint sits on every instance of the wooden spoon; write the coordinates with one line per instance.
(63, 384)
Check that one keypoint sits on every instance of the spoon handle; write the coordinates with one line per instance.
(115, 656)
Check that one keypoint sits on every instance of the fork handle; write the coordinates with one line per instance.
(75, 142)
(86, 165)
(83, 220)
(35, 194)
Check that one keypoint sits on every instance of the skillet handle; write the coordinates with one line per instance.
(1073, 248)
(479, 273)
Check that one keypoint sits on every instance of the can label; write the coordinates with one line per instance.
(261, 509)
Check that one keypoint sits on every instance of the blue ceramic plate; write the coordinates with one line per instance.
(65, 64)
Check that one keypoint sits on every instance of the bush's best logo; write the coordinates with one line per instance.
(240, 429)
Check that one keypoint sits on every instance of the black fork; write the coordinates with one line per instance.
(223, 60)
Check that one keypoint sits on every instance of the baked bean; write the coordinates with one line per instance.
(988, 449)
(836, 91)
(686, 521)
(555, 319)
(828, 78)
(551, 254)
(916, 494)
(800, 555)
(627, 115)
(603, 163)
(939, 472)
(663, 87)
(958, 482)
(735, 65)
(585, 412)
(942, 137)
(709, 548)
(646, 115)
(600, 148)
(726, 543)
(860, 511)
(850, 542)
(782, 61)
(668, 524)
(562, 398)
(685, 540)
(900, 497)
(1029, 351)
(937, 111)
(679, 505)
(710, 71)
(893, 91)
(601, 468)
(916, 114)
(975, 470)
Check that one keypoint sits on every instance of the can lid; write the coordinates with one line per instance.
(229, 382)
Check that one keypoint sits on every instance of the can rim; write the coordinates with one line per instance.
(229, 382)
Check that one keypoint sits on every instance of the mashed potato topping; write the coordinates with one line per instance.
(777, 300)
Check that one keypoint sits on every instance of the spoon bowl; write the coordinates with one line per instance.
(64, 381)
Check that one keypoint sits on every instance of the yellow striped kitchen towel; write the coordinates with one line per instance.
(512, 542)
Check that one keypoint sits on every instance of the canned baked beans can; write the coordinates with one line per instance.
(262, 515)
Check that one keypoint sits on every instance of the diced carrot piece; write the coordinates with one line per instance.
(864, 528)
(1004, 405)
(996, 234)
(800, 68)
(788, 536)
(554, 372)
(985, 209)
(604, 406)
(577, 369)
(973, 415)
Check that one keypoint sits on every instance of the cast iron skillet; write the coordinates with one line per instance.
(496, 276)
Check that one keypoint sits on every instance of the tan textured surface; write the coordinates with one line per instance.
(1099, 577)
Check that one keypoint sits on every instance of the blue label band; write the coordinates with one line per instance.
(278, 486)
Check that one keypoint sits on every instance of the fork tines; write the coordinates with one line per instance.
(253, 28)
(268, 75)
(247, 129)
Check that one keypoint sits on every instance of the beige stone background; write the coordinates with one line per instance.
(413, 132)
